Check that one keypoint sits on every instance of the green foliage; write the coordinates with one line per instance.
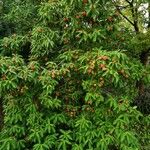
(63, 86)
(141, 42)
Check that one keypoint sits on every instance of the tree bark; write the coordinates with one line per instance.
(144, 57)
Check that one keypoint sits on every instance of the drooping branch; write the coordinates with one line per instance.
(134, 12)
(129, 1)
(121, 7)
(124, 16)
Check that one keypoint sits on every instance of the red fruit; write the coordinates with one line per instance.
(117, 13)
(87, 108)
(110, 19)
(104, 58)
(40, 30)
(92, 110)
(102, 66)
(101, 79)
(22, 90)
(78, 17)
(89, 71)
(126, 76)
(66, 26)
(66, 19)
(85, 1)
(109, 28)
(32, 67)
(121, 71)
(66, 41)
(3, 77)
(84, 14)
(89, 102)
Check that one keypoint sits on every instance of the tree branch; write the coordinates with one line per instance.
(134, 23)
(125, 17)
(117, 7)
(122, 7)
(122, 13)
(134, 11)
(128, 1)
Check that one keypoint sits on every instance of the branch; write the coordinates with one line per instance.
(129, 2)
(125, 17)
(134, 23)
(122, 13)
(122, 7)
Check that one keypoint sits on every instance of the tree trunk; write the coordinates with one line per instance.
(144, 61)
(149, 15)
(143, 56)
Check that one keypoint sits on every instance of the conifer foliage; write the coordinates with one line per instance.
(66, 79)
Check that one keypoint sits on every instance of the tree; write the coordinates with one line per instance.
(66, 80)
(140, 22)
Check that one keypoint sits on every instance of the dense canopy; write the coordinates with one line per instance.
(74, 74)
